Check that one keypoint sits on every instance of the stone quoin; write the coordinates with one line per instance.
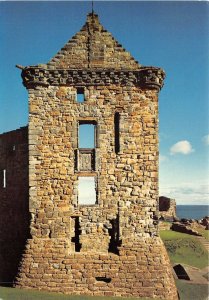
(112, 246)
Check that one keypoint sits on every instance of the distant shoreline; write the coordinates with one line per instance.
(193, 211)
(192, 205)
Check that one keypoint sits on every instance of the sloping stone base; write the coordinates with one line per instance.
(142, 271)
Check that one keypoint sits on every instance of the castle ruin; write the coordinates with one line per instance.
(108, 244)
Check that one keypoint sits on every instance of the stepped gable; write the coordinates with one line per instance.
(93, 47)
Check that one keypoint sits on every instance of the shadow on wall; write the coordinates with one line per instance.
(14, 199)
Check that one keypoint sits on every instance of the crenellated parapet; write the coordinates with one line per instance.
(145, 77)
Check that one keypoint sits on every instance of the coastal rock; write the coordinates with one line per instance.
(184, 228)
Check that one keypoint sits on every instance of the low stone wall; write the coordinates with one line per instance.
(164, 225)
(142, 271)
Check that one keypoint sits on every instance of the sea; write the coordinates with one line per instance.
(196, 212)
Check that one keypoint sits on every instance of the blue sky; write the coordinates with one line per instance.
(171, 35)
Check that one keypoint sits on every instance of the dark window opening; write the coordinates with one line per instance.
(114, 236)
(117, 132)
(104, 279)
(80, 95)
(77, 231)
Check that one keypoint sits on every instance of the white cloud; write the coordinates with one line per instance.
(205, 139)
(187, 193)
(183, 147)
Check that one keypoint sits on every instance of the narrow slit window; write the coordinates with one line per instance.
(117, 132)
(86, 136)
(76, 234)
(86, 190)
(104, 279)
(80, 95)
(4, 178)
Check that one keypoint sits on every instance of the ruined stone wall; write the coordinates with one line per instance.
(167, 208)
(141, 271)
(14, 212)
(127, 181)
(127, 192)
(111, 247)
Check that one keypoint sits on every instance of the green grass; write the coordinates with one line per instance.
(189, 291)
(204, 233)
(184, 248)
(22, 294)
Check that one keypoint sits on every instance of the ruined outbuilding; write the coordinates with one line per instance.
(167, 208)
(110, 245)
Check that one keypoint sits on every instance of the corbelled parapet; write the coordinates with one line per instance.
(146, 77)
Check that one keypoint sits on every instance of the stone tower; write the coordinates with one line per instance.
(106, 244)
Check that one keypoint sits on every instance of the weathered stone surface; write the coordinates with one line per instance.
(185, 228)
(145, 77)
(112, 247)
(143, 270)
(167, 208)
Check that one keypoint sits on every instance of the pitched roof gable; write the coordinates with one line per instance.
(93, 47)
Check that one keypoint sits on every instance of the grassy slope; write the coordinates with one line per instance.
(20, 294)
(205, 233)
(184, 248)
(192, 291)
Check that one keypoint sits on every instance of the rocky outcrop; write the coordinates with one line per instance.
(185, 227)
(205, 222)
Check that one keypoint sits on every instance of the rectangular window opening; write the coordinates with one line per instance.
(87, 194)
(86, 136)
(117, 132)
(4, 178)
(80, 95)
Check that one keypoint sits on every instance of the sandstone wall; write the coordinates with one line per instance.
(142, 271)
(127, 193)
(127, 181)
(111, 247)
(14, 212)
(167, 208)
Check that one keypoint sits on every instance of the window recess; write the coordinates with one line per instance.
(85, 154)
(87, 190)
(117, 132)
(80, 96)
